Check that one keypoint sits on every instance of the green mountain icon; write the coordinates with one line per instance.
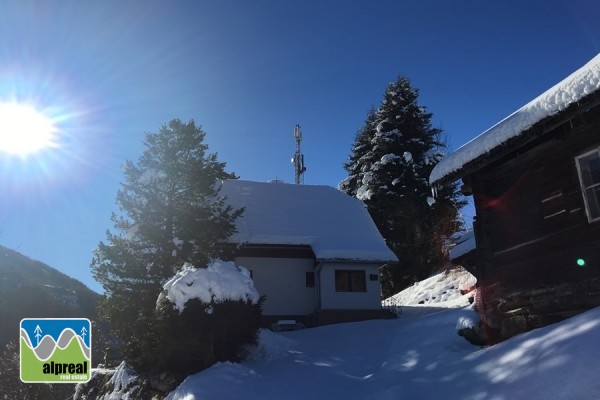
(66, 360)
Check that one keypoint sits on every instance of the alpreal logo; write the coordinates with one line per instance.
(55, 350)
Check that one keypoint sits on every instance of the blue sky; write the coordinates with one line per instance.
(247, 71)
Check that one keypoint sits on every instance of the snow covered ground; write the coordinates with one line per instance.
(417, 356)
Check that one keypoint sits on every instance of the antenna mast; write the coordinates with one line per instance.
(298, 159)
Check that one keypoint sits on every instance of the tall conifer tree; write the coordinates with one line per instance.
(170, 213)
(389, 168)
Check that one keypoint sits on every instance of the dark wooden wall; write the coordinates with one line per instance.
(531, 227)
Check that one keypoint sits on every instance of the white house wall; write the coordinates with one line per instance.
(332, 300)
(283, 282)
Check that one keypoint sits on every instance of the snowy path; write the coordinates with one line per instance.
(413, 357)
(350, 361)
(328, 362)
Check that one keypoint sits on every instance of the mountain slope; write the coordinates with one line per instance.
(32, 289)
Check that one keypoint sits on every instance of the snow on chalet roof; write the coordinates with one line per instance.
(576, 86)
(465, 245)
(335, 225)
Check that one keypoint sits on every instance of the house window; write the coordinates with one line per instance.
(588, 167)
(310, 279)
(350, 281)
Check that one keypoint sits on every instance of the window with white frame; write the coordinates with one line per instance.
(588, 167)
(350, 281)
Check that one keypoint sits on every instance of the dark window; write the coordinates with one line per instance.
(350, 281)
(588, 167)
(310, 279)
(373, 277)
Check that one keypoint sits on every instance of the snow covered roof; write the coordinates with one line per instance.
(336, 226)
(575, 87)
(465, 245)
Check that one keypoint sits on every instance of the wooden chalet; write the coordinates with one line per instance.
(535, 182)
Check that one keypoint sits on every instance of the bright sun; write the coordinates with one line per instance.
(24, 130)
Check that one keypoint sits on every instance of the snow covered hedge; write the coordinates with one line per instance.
(203, 316)
(218, 282)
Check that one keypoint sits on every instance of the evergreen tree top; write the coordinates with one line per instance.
(171, 211)
(397, 144)
(388, 169)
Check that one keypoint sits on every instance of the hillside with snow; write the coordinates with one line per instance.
(419, 355)
(453, 288)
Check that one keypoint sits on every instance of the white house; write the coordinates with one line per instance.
(313, 251)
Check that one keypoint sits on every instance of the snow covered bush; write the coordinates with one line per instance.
(203, 315)
(219, 282)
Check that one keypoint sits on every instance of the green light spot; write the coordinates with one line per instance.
(581, 262)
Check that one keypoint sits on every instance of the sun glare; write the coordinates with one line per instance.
(24, 130)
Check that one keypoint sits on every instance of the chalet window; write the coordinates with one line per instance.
(350, 281)
(310, 279)
(588, 167)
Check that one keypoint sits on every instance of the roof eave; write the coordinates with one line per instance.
(525, 137)
(356, 261)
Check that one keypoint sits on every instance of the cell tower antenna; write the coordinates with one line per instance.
(298, 159)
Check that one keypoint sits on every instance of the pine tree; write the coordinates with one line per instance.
(170, 213)
(361, 147)
(389, 169)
